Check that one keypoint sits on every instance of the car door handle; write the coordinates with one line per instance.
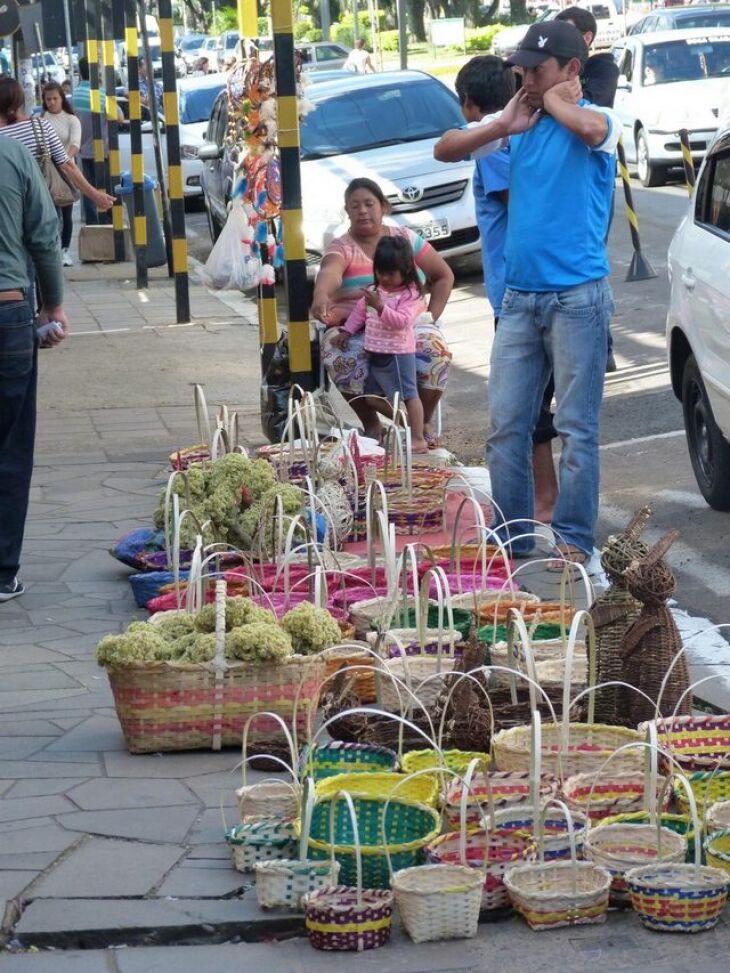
(688, 279)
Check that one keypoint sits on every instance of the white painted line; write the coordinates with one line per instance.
(77, 334)
(643, 439)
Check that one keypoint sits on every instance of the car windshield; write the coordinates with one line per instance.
(189, 44)
(600, 12)
(710, 18)
(196, 104)
(231, 41)
(687, 60)
(368, 118)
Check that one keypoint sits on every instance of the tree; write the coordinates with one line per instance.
(416, 10)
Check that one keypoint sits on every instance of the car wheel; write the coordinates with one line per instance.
(708, 449)
(213, 227)
(648, 172)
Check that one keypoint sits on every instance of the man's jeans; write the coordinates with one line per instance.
(18, 374)
(566, 332)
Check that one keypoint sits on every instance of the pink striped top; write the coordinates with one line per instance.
(392, 330)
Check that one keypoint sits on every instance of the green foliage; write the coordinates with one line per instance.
(312, 34)
(389, 41)
(258, 642)
(239, 611)
(341, 34)
(145, 645)
(223, 19)
(480, 39)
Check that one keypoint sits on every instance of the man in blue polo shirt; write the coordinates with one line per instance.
(558, 302)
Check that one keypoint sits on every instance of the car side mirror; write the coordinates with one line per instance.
(209, 152)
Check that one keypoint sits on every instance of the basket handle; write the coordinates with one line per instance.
(287, 736)
(554, 801)
(372, 711)
(307, 807)
(355, 838)
(202, 417)
(675, 660)
(443, 600)
(580, 617)
(695, 818)
(426, 771)
(408, 559)
(487, 826)
(277, 760)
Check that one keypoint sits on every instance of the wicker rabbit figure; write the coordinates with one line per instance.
(614, 611)
(653, 641)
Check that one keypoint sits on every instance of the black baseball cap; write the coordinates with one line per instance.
(552, 38)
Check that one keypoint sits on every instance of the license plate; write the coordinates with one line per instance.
(438, 230)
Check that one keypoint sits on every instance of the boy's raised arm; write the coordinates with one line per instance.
(462, 143)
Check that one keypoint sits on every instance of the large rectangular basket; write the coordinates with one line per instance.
(589, 746)
(697, 743)
(168, 706)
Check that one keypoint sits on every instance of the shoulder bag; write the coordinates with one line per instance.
(61, 190)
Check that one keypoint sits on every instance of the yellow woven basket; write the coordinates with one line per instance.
(420, 790)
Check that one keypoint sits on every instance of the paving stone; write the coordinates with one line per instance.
(208, 852)
(76, 961)
(21, 825)
(104, 867)
(30, 728)
(27, 861)
(20, 769)
(38, 788)
(20, 809)
(13, 883)
(168, 824)
(40, 634)
(209, 827)
(101, 794)
(202, 882)
(175, 765)
(96, 734)
(29, 697)
(47, 677)
(49, 837)
(68, 757)
(18, 748)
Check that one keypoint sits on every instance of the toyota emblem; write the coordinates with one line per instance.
(411, 194)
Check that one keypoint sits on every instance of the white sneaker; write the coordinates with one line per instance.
(66, 259)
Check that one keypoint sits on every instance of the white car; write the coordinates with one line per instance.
(195, 97)
(383, 126)
(49, 66)
(670, 80)
(608, 22)
(698, 324)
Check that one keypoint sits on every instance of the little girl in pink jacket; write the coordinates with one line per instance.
(388, 312)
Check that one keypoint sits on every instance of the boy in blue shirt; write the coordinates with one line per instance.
(558, 301)
(484, 86)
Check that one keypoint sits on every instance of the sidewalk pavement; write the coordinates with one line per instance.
(101, 849)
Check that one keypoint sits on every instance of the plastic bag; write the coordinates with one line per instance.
(231, 265)
(275, 387)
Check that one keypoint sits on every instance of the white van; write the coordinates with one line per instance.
(609, 23)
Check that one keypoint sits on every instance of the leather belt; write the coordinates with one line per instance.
(11, 296)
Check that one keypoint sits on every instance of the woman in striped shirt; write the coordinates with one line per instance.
(16, 124)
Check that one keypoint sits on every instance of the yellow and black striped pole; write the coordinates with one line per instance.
(107, 41)
(687, 160)
(174, 167)
(295, 267)
(248, 25)
(639, 268)
(92, 53)
(139, 222)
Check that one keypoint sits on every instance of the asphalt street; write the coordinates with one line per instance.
(644, 453)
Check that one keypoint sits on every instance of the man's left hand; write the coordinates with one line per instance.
(568, 91)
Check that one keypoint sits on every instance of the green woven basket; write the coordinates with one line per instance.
(329, 759)
(546, 630)
(407, 619)
(408, 828)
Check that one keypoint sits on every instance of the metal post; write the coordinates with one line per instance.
(300, 353)
(687, 160)
(248, 24)
(154, 115)
(402, 34)
(139, 223)
(115, 168)
(324, 15)
(355, 23)
(174, 167)
(639, 268)
(92, 53)
(69, 42)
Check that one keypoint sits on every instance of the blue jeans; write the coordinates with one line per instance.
(18, 374)
(564, 332)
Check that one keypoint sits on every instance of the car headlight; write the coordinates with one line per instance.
(188, 151)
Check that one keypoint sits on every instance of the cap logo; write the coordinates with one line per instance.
(542, 41)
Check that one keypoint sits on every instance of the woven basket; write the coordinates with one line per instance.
(697, 743)
(260, 839)
(418, 790)
(679, 897)
(680, 823)
(408, 828)
(409, 639)
(488, 848)
(424, 674)
(717, 817)
(717, 849)
(147, 585)
(166, 706)
(708, 788)
(333, 758)
(276, 799)
(509, 791)
(455, 760)
(181, 459)
(620, 847)
(342, 917)
(610, 795)
(283, 883)
(556, 828)
(462, 619)
(589, 744)
(342, 656)
(551, 894)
